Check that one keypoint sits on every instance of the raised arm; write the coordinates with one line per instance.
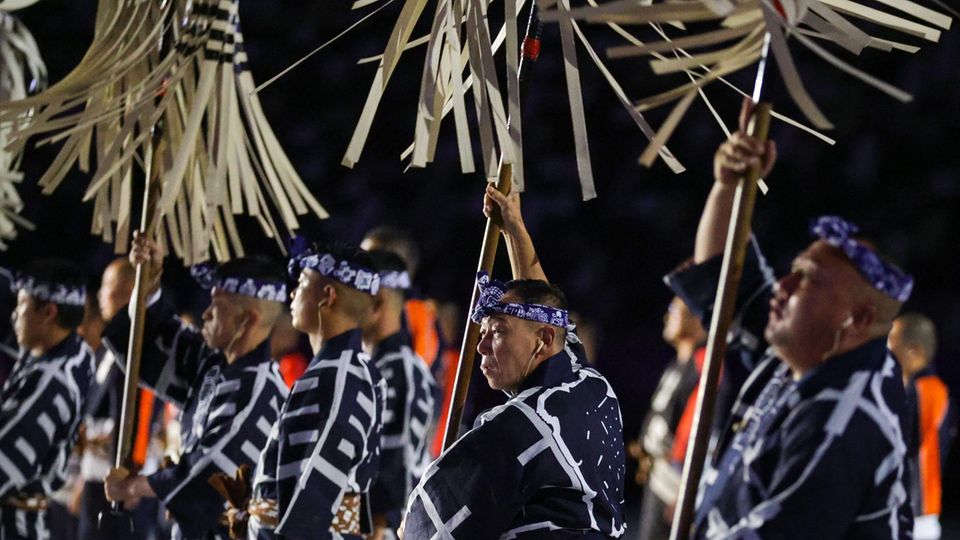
(733, 160)
(172, 350)
(524, 262)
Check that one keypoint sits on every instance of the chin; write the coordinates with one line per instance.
(493, 383)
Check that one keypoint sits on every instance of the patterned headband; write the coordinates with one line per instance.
(392, 279)
(45, 291)
(492, 291)
(347, 272)
(207, 277)
(882, 275)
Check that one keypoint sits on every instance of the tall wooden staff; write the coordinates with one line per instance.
(138, 301)
(488, 251)
(731, 270)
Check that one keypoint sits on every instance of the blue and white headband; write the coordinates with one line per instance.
(489, 303)
(347, 272)
(882, 275)
(45, 291)
(392, 279)
(207, 277)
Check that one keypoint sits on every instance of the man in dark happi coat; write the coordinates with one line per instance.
(404, 452)
(42, 401)
(222, 378)
(315, 473)
(814, 447)
(550, 462)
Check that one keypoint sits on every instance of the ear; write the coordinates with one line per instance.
(864, 317)
(379, 301)
(330, 292)
(548, 335)
(48, 312)
(253, 317)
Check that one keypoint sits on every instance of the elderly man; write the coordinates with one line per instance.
(222, 378)
(42, 401)
(322, 455)
(404, 451)
(550, 462)
(814, 447)
(931, 422)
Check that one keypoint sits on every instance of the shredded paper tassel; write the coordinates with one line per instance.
(168, 79)
(21, 72)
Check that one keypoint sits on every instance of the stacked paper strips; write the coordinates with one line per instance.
(460, 41)
(21, 72)
(168, 79)
(736, 40)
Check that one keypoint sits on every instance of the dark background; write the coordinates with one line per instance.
(894, 171)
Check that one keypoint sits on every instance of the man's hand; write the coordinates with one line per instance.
(75, 504)
(121, 486)
(147, 252)
(509, 207)
(741, 152)
(116, 485)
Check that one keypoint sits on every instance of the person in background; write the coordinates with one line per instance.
(228, 389)
(419, 314)
(404, 453)
(101, 415)
(286, 347)
(314, 474)
(658, 470)
(931, 419)
(42, 402)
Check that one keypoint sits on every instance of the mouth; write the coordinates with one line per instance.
(776, 311)
(488, 364)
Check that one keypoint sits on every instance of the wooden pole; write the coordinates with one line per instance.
(471, 334)
(138, 301)
(491, 240)
(738, 232)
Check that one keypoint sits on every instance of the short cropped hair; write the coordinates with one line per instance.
(387, 261)
(536, 291)
(399, 242)
(919, 330)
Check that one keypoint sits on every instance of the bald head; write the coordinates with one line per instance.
(116, 286)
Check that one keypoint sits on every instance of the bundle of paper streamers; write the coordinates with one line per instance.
(460, 40)
(736, 40)
(165, 87)
(21, 72)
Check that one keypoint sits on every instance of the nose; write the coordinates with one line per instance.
(207, 314)
(484, 346)
(787, 284)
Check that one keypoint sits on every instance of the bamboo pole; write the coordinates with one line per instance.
(471, 334)
(148, 223)
(738, 233)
